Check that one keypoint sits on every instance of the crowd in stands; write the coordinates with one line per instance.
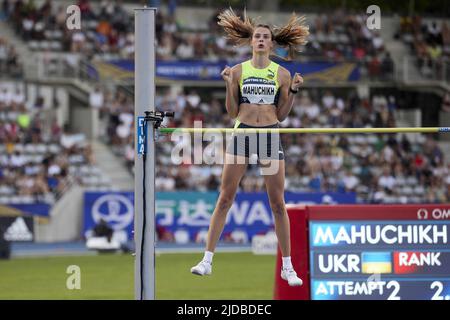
(38, 158)
(385, 168)
(108, 30)
(334, 37)
(341, 36)
(429, 41)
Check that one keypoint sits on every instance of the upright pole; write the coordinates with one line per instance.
(144, 164)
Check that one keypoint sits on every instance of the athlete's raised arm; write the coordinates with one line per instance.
(231, 77)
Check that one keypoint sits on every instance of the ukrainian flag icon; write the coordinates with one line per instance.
(376, 262)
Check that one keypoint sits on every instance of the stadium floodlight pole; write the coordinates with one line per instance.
(144, 181)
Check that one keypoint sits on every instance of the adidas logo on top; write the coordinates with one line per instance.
(261, 101)
(18, 231)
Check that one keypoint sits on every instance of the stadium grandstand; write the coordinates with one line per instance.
(68, 123)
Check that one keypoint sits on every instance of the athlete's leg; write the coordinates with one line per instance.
(231, 176)
(233, 170)
(275, 190)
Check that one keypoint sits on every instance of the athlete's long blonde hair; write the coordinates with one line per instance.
(240, 31)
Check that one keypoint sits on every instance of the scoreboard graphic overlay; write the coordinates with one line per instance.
(382, 252)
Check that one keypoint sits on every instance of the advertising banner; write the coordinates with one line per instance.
(185, 216)
(17, 229)
(197, 70)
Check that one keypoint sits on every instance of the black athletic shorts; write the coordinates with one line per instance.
(267, 146)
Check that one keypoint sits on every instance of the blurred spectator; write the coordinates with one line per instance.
(17, 98)
(5, 10)
(386, 180)
(96, 98)
(185, 50)
(85, 9)
(193, 99)
(349, 181)
(446, 102)
(164, 234)
(10, 64)
(39, 103)
(5, 97)
(377, 42)
(78, 41)
(387, 67)
(328, 100)
(374, 67)
(433, 33)
(392, 105)
(102, 229)
(3, 55)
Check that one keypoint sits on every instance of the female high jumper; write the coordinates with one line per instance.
(259, 94)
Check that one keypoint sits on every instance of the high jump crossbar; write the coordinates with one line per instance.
(308, 130)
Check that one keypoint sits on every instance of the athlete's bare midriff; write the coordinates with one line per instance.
(257, 114)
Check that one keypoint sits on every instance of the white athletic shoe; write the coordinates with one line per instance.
(203, 268)
(291, 277)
